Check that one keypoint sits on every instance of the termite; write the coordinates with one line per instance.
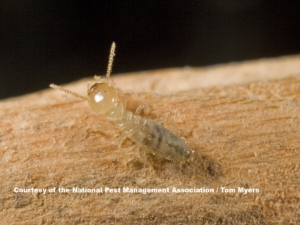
(104, 98)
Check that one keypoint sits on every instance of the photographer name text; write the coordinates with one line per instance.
(130, 190)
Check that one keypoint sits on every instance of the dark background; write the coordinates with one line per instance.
(45, 42)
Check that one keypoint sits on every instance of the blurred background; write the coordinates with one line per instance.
(45, 42)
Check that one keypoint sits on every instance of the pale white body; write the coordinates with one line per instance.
(105, 99)
(148, 134)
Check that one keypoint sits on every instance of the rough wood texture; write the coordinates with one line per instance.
(245, 134)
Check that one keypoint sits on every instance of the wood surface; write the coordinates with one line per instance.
(241, 119)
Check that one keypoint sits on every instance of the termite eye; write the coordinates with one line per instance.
(101, 97)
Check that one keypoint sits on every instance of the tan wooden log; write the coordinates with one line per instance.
(241, 119)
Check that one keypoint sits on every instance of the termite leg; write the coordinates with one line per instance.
(142, 107)
(137, 151)
(163, 120)
(102, 129)
(160, 120)
(122, 139)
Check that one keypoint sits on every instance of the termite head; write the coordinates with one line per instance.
(102, 96)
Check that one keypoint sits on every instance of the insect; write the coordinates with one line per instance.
(104, 98)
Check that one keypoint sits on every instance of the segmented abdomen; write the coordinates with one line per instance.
(154, 137)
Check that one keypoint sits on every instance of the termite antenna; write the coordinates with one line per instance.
(54, 86)
(111, 59)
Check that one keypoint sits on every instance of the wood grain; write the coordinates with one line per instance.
(241, 119)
